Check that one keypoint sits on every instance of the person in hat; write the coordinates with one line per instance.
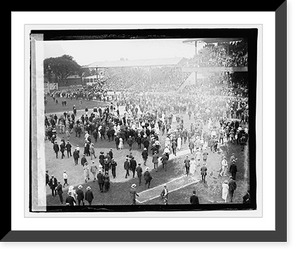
(117, 142)
(203, 171)
(106, 182)
(80, 195)
(113, 165)
(76, 156)
(100, 178)
(165, 194)
(107, 161)
(133, 194)
(233, 169)
(59, 191)
(232, 187)
(130, 142)
(83, 160)
(53, 184)
(233, 158)
(139, 172)
(68, 148)
(155, 161)
(225, 189)
(62, 148)
(145, 156)
(110, 153)
(101, 158)
(89, 196)
(147, 177)
(92, 151)
(94, 170)
(133, 165)
(187, 164)
(194, 199)
(65, 177)
(224, 166)
(70, 201)
(127, 167)
(56, 148)
(164, 160)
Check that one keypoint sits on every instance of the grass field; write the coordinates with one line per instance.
(118, 194)
(52, 107)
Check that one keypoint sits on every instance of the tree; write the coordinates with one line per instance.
(61, 68)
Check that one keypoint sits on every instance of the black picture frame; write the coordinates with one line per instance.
(280, 232)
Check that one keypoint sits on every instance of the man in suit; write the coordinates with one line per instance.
(155, 161)
(130, 142)
(113, 164)
(133, 166)
(194, 200)
(100, 178)
(127, 167)
(59, 191)
(53, 185)
(76, 156)
(89, 196)
(117, 141)
(187, 165)
(232, 188)
(233, 170)
(139, 172)
(145, 156)
(203, 171)
(83, 160)
(147, 177)
(62, 149)
(68, 147)
(56, 148)
(80, 195)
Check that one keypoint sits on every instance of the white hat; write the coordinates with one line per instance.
(133, 185)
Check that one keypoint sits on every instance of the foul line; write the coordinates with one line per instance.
(190, 183)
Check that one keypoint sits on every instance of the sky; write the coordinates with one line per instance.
(86, 52)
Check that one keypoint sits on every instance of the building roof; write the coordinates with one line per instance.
(136, 63)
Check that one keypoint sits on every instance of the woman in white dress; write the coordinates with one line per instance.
(225, 189)
(121, 145)
(179, 143)
(192, 166)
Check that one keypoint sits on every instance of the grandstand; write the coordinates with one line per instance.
(214, 64)
(149, 75)
(219, 57)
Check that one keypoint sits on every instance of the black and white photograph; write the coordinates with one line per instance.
(143, 120)
(150, 127)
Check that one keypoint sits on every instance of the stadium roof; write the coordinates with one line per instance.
(136, 63)
(213, 40)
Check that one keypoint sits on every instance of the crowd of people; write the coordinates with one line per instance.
(152, 121)
(226, 54)
(152, 79)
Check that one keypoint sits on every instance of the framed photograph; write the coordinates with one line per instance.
(160, 124)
